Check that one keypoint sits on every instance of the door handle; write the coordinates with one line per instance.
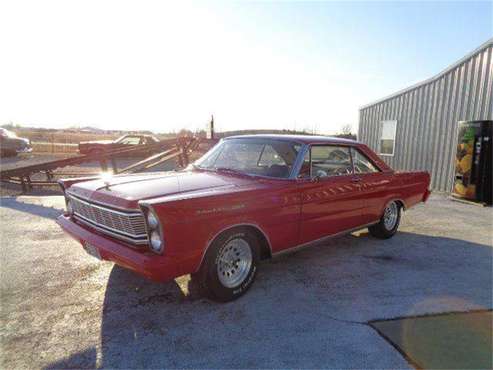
(356, 179)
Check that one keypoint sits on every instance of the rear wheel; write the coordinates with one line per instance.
(230, 266)
(389, 223)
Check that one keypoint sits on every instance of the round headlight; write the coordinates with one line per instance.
(156, 242)
(152, 220)
(69, 207)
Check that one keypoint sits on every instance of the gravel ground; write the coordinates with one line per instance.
(61, 308)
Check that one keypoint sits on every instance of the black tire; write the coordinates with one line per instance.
(382, 230)
(208, 276)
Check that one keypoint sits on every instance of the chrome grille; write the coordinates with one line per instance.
(127, 225)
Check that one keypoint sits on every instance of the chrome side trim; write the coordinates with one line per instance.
(320, 240)
(107, 232)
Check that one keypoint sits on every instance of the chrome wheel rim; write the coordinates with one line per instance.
(390, 216)
(234, 263)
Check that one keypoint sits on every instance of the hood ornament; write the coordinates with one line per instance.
(106, 177)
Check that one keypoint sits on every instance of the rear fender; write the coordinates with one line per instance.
(394, 199)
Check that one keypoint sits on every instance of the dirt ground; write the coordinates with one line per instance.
(61, 308)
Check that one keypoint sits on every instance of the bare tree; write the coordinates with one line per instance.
(347, 129)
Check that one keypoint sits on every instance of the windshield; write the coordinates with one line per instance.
(120, 138)
(272, 158)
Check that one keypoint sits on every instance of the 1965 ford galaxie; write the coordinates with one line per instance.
(247, 199)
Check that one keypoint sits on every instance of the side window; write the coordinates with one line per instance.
(330, 160)
(270, 157)
(131, 140)
(147, 140)
(362, 164)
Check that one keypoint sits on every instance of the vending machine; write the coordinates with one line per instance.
(473, 163)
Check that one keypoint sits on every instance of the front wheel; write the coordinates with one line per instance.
(230, 266)
(389, 222)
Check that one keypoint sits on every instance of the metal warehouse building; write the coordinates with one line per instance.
(416, 128)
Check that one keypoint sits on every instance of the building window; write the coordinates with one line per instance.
(387, 137)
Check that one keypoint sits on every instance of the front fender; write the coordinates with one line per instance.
(191, 225)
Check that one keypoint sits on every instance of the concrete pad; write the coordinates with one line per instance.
(61, 308)
(448, 341)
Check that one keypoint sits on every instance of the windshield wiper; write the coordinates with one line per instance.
(196, 167)
(231, 170)
(222, 169)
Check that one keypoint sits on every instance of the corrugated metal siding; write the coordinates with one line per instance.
(427, 117)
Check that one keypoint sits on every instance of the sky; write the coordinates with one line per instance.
(164, 65)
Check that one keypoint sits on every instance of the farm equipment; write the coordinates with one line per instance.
(178, 149)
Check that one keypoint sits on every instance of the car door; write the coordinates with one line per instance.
(331, 194)
(374, 185)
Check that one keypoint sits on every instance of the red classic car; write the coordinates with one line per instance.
(147, 143)
(247, 199)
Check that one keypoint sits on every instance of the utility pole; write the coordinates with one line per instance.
(211, 128)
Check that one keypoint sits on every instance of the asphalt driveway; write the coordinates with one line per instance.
(62, 308)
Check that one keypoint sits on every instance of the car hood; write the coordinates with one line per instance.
(125, 191)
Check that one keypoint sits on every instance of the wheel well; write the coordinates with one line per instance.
(265, 251)
(401, 204)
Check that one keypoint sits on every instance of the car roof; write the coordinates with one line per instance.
(305, 139)
(137, 135)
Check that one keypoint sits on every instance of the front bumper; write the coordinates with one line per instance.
(146, 263)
